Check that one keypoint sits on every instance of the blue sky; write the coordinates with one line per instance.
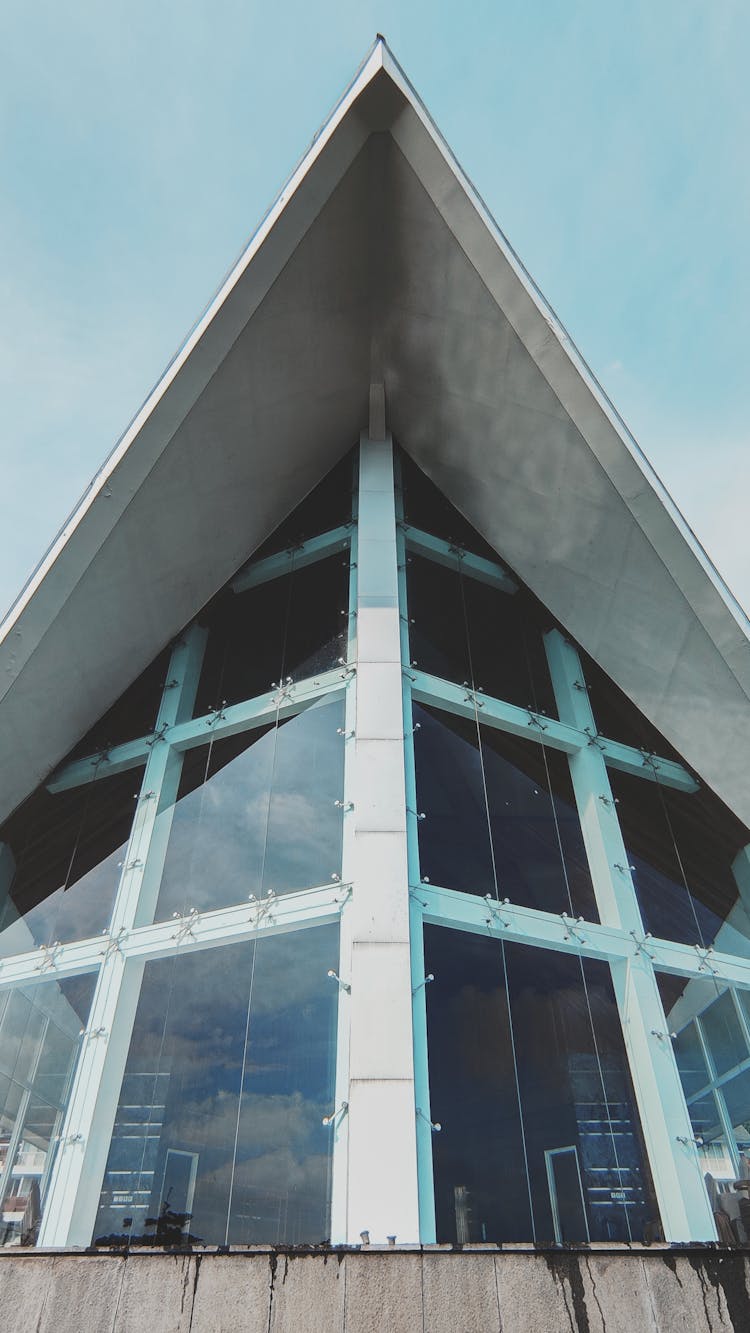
(140, 143)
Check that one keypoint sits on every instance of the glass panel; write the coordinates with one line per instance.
(529, 848)
(685, 999)
(218, 1135)
(467, 631)
(527, 1061)
(690, 1060)
(619, 719)
(296, 626)
(737, 1097)
(725, 1160)
(133, 715)
(683, 848)
(61, 861)
(427, 508)
(566, 1194)
(40, 1028)
(255, 812)
(744, 998)
(724, 1037)
(328, 506)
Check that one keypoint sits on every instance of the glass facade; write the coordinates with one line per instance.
(540, 1139)
(40, 1036)
(711, 1037)
(218, 1135)
(181, 1054)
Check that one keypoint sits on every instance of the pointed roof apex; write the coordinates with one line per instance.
(378, 263)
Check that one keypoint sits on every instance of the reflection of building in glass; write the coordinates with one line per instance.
(379, 862)
(39, 1038)
(128, 1186)
(609, 1150)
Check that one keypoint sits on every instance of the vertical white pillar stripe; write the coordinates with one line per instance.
(382, 1166)
(675, 1167)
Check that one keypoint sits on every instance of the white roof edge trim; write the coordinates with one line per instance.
(394, 69)
(370, 66)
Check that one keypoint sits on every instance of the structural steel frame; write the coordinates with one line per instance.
(382, 1094)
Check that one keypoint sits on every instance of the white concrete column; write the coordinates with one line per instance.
(382, 1157)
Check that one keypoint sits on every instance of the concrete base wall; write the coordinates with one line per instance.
(393, 1291)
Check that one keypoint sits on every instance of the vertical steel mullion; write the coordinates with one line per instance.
(76, 1176)
(667, 1129)
(423, 1115)
(340, 1126)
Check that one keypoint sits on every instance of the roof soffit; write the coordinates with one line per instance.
(378, 261)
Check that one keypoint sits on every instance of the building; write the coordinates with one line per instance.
(375, 862)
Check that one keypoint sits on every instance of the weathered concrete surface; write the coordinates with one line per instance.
(435, 1290)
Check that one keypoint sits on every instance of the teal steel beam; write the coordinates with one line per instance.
(422, 1113)
(276, 705)
(437, 906)
(642, 764)
(673, 1155)
(78, 1169)
(264, 708)
(462, 701)
(293, 558)
(549, 930)
(454, 557)
(102, 765)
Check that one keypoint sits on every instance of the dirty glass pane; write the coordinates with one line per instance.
(218, 1136)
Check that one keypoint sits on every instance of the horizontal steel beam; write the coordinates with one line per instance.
(279, 704)
(462, 701)
(225, 925)
(102, 765)
(453, 556)
(653, 767)
(465, 702)
(525, 925)
(294, 557)
(284, 703)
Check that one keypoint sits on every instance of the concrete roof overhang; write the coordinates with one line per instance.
(378, 262)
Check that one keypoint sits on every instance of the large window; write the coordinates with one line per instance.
(218, 1135)
(318, 930)
(540, 1135)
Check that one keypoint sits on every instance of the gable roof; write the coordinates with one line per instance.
(378, 263)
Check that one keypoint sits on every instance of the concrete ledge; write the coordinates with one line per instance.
(435, 1289)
